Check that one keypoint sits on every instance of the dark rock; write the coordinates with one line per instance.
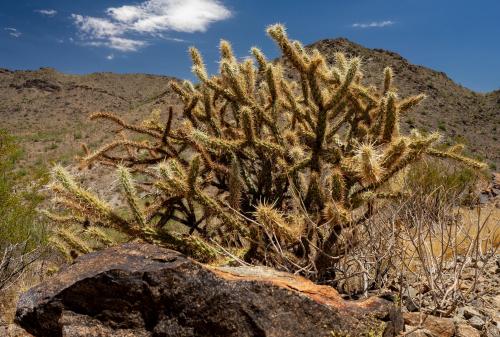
(411, 306)
(144, 290)
(477, 322)
(408, 299)
(40, 84)
(469, 312)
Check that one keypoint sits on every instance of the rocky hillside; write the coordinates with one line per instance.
(462, 115)
(48, 109)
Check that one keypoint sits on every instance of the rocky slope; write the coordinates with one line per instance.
(48, 109)
(460, 114)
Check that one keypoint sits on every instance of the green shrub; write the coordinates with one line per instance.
(18, 200)
(442, 126)
(443, 182)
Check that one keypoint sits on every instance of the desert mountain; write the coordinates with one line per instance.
(48, 110)
(460, 114)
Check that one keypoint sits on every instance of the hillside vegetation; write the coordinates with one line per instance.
(49, 109)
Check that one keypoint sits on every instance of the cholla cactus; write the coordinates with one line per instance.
(260, 163)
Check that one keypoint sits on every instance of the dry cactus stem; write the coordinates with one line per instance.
(263, 169)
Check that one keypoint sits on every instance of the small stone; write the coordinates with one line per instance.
(476, 303)
(464, 330)
(410, 305)
(421, 333)
(469, 312)
(492, 331)
(409, 297)
(496, 301)
(411, 292)
(477, 322)
(439, 327)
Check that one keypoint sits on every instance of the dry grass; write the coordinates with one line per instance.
(467, 227)
(27, 279)
(489, 216)
(441, 251)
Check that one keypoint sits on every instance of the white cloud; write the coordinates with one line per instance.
(174, 39)
(47, 12)
(13, 32)
(97, 27)
(125, 13)
(117, 43)
(124, 44)
(150, 18)
(374, 24)
(110, 57)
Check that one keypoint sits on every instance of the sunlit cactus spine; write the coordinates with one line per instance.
(259, 163)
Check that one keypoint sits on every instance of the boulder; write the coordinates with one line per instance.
(437, 326)
(144, 290)
(477, 322)
(417, 332)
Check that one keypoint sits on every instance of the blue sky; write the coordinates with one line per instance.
(459, 37)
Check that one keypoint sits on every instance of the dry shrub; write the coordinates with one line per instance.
(432, 256)
(21, 266)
